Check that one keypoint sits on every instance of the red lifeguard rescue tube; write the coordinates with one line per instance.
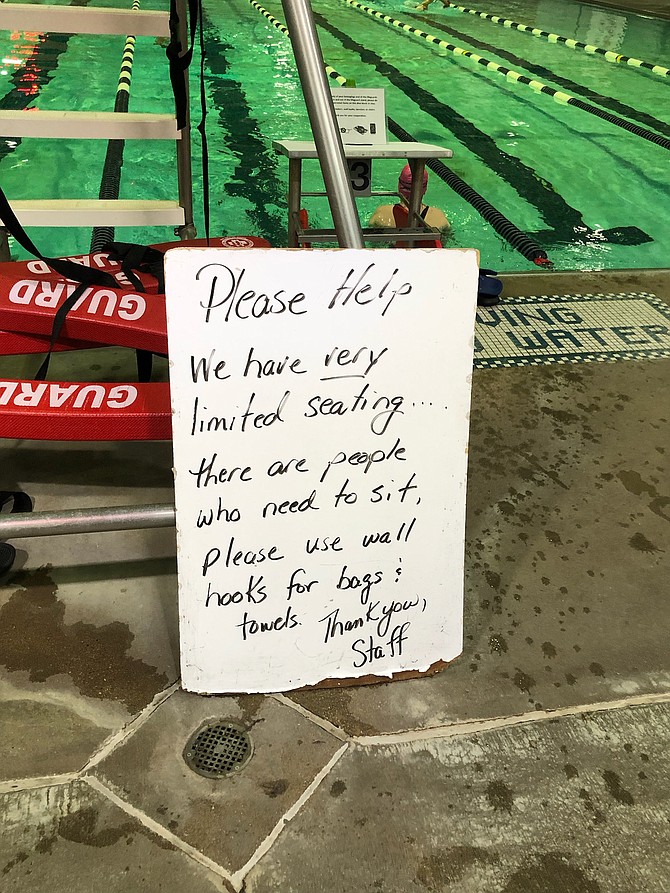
(65, 410)
(30, 295)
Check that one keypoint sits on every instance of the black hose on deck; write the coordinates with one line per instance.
(504, 227)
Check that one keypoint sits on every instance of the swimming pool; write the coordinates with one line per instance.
(590, 193)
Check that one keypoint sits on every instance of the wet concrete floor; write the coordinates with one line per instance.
(535, 763)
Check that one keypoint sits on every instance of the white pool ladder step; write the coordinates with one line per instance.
(87, 125)
(83, 20)
(90, 212)
(106, 125)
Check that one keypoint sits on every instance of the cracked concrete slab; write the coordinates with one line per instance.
(577, 804)
(226, 819)
(70, 839)
(565, 606)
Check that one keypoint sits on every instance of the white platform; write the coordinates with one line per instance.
(83, 20)
(307, 149)
(92, 212)
(87, 125)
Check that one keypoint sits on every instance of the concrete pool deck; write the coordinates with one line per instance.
(537, 762)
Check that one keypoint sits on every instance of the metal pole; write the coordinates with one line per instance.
(123, 517)
(309, 60)
(417, 166)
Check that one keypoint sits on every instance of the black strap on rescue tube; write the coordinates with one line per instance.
(142, 258)
(59, 319)
(67, 268)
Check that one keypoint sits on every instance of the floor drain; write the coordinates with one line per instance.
(218, 749)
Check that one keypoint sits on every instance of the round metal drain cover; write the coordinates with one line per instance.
(218, 749)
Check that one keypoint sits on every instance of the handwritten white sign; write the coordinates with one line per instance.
(320, 411)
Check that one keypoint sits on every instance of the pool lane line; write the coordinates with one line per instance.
(330, 71)
(560, 217)
(255, 178)
(609, 55)
(42, 61)
(519, 240)
(537, 86)
(563, 220)
(608, 102)
(110, 184)
(504, 227)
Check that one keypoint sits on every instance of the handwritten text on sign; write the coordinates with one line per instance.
(320, 429)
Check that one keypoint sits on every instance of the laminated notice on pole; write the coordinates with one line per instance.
(320, 415)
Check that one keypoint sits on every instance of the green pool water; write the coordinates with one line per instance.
(593, 195)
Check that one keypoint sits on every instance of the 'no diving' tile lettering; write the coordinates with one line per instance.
(544, 329)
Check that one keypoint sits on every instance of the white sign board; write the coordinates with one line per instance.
(361, 115)
(320, 414)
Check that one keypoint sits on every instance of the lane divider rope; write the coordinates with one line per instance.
(330, 71)
(535, 85)
(615, 106)
(609, 55)
(110, 184)
(504, 227)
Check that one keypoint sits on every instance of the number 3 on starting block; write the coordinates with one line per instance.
(360, 175)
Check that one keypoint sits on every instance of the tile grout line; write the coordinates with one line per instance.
(108, 745)
(121, 735)
(264, 847)
(17, 785)
(156, 828)
(237, 878)
(488, 725)
(320, 721)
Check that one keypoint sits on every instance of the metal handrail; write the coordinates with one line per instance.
(122, 517)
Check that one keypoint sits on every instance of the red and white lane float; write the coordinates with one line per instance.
(31, 294)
